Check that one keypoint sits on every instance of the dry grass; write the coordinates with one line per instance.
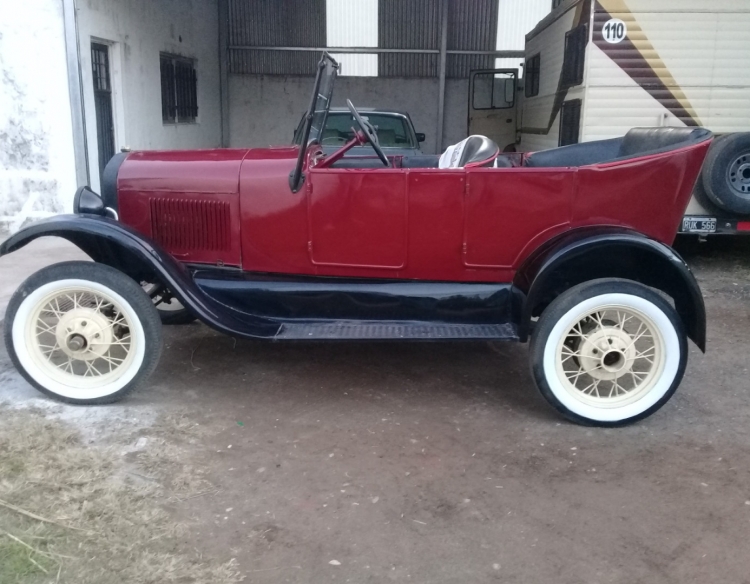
(100, 526)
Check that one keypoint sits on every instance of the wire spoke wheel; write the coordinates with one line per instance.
(608, 352)
(83, 333)
(611, 356)
(80, 337)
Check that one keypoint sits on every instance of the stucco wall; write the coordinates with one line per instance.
(37, 169)
(265, 110)
(138, 31)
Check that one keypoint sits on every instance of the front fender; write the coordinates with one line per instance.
(108, 242)
(580, 256)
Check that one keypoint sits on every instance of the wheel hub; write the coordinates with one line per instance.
(607, 354)
(739, 174)
(84, 334)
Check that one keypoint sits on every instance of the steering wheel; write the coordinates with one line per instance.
(369, 131)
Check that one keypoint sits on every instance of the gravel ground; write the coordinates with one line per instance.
(430, 463)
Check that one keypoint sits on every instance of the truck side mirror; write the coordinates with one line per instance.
(421, 137)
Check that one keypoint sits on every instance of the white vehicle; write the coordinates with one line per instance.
(597, 68)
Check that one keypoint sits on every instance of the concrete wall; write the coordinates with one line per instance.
(37, 168)
(137, 32)
(265, 110)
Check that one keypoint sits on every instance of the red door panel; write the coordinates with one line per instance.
(510, 210)
(358, 218)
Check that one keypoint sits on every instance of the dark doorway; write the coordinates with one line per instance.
(105, 123)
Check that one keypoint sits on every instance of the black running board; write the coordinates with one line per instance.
(395, 330)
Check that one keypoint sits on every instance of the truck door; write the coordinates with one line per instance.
(492, 105)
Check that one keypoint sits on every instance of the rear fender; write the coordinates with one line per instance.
(108, 242)
(581, 256)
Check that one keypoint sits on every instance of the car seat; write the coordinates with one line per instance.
(472, 151)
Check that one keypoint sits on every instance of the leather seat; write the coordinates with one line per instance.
(637, 142)
(472, 151)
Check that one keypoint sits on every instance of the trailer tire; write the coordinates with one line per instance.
(726, 173)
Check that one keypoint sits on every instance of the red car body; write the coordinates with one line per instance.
(289, 243)
(235, 208)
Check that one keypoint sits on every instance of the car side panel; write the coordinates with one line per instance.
(188, 202)
(648, 194)
(358, 218)
(274, 219)
(510, 210)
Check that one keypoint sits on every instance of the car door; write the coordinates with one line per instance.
(357, 217)
(492, 105)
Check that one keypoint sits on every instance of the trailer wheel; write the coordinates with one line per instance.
(608, 352)
(726, 173)
(83, 333)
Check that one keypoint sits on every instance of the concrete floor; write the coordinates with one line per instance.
(439, 463)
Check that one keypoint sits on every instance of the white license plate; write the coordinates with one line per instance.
(699, 224)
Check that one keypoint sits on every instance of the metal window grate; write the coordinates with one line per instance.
(105, 121)
(575, 54)
(532, 75)
(179, 90)
(570, 122)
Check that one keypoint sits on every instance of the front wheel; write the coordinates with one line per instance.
(608, 352)
(83, 333)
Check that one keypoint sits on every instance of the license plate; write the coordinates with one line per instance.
(699, 225)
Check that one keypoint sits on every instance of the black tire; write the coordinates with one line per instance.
(550, 340)
(726, 173)
(132, 322)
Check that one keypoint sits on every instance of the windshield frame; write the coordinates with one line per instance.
(317, 113)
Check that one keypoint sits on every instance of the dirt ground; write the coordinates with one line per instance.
(424, 463)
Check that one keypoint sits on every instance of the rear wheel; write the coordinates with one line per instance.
(608, 352)
(83, 333)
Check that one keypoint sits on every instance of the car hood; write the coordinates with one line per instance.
(192, 171)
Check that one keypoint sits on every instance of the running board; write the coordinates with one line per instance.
(394, 330)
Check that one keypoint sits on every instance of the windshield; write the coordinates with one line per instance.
(315, 118)
(393, 130)
(328, 71)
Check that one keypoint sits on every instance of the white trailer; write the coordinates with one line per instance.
(597, 68)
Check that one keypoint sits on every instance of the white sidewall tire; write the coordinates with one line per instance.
(562, 314)
(29, 307)
(671, 364)
(135, 305)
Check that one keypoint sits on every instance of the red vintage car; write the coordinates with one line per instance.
(567, 248)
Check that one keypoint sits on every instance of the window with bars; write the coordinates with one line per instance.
(179, 90)
(570, 122)
(575, 55)
(532, 74)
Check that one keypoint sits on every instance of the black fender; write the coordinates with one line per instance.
(108, 242)
(583, 255)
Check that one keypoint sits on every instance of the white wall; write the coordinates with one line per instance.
(37, 168)
(265, 110)
(138, 31)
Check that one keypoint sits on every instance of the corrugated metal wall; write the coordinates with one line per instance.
(408, 24)
(472, 26)
(415, 24)
(276, 23)
(400, 24)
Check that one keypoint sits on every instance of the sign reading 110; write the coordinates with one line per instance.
(614, 31)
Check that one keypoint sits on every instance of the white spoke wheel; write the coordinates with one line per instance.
(608, 352)
(83, 332)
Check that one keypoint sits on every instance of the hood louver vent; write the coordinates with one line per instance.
(190, 224)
